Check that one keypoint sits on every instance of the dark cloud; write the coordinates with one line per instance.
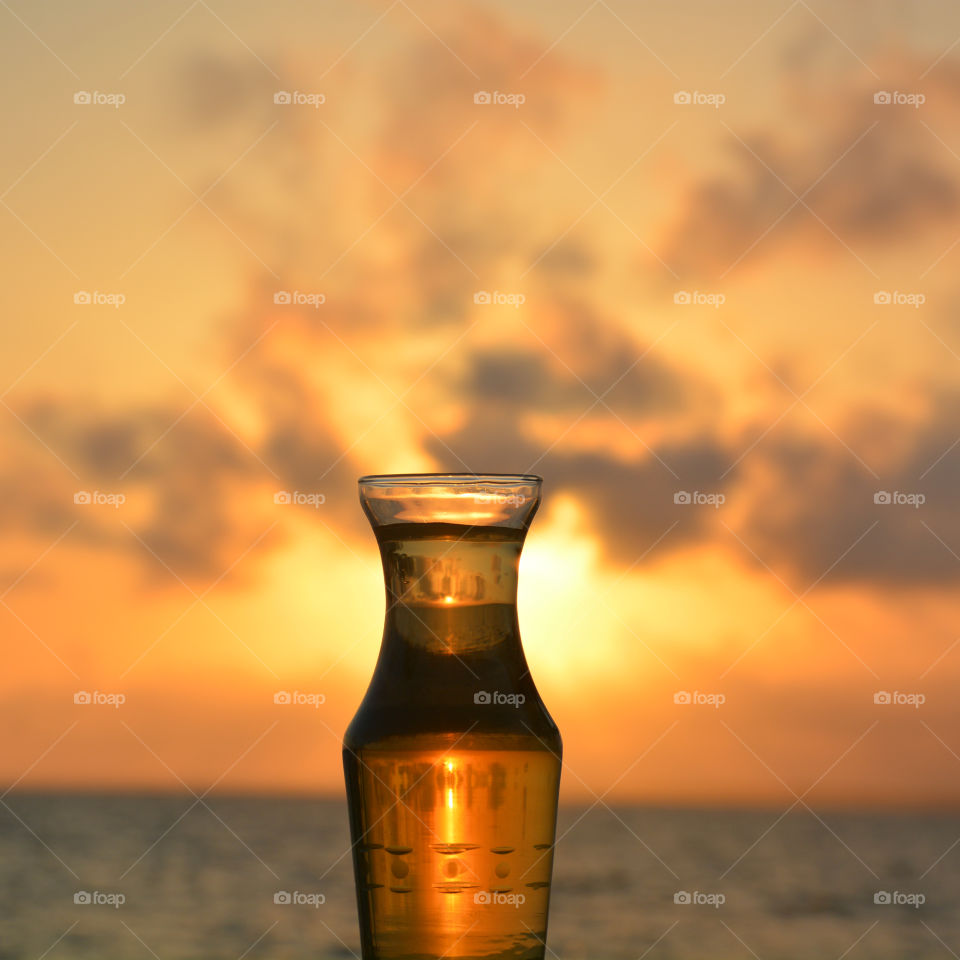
(872, 173)
(579, 355)
(536, 382)
(179, 479)
(812, 501)
(801, 502)
(568, 260)
(630, 502)
(212, 90)
(630, 496)
(196, 494)
(808, 502)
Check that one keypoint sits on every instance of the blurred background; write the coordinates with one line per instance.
(695, 265)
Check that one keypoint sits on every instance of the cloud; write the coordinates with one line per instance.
(628, 493)
(198, 494)
(809, 501)
(179, 479)
(207, 481)
(213, 90)
(630, 502)
(584, 357)
(203, 483)
(873, 174)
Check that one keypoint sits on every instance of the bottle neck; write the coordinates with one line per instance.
(451, 589)
(451, 662)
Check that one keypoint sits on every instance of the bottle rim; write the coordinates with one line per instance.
(447, 479)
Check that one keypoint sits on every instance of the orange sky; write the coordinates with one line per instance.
(704, 309)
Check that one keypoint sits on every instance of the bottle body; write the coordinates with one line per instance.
(452, 762)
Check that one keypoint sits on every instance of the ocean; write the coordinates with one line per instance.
(135, 877)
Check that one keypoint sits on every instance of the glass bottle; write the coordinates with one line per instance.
(452, 762)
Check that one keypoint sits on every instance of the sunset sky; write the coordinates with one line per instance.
(751, 296)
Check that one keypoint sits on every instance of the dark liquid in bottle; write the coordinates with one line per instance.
(452, 762)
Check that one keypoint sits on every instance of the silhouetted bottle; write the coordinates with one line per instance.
(452, 762)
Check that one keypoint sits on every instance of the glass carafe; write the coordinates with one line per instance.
(452, 762)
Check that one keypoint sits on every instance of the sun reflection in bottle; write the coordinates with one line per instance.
(452, 906)
(451, 779)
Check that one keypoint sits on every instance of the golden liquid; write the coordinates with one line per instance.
(457, 850)
(452, 762)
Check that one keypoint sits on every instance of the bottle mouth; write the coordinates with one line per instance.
(464, 499)
(427, 479)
